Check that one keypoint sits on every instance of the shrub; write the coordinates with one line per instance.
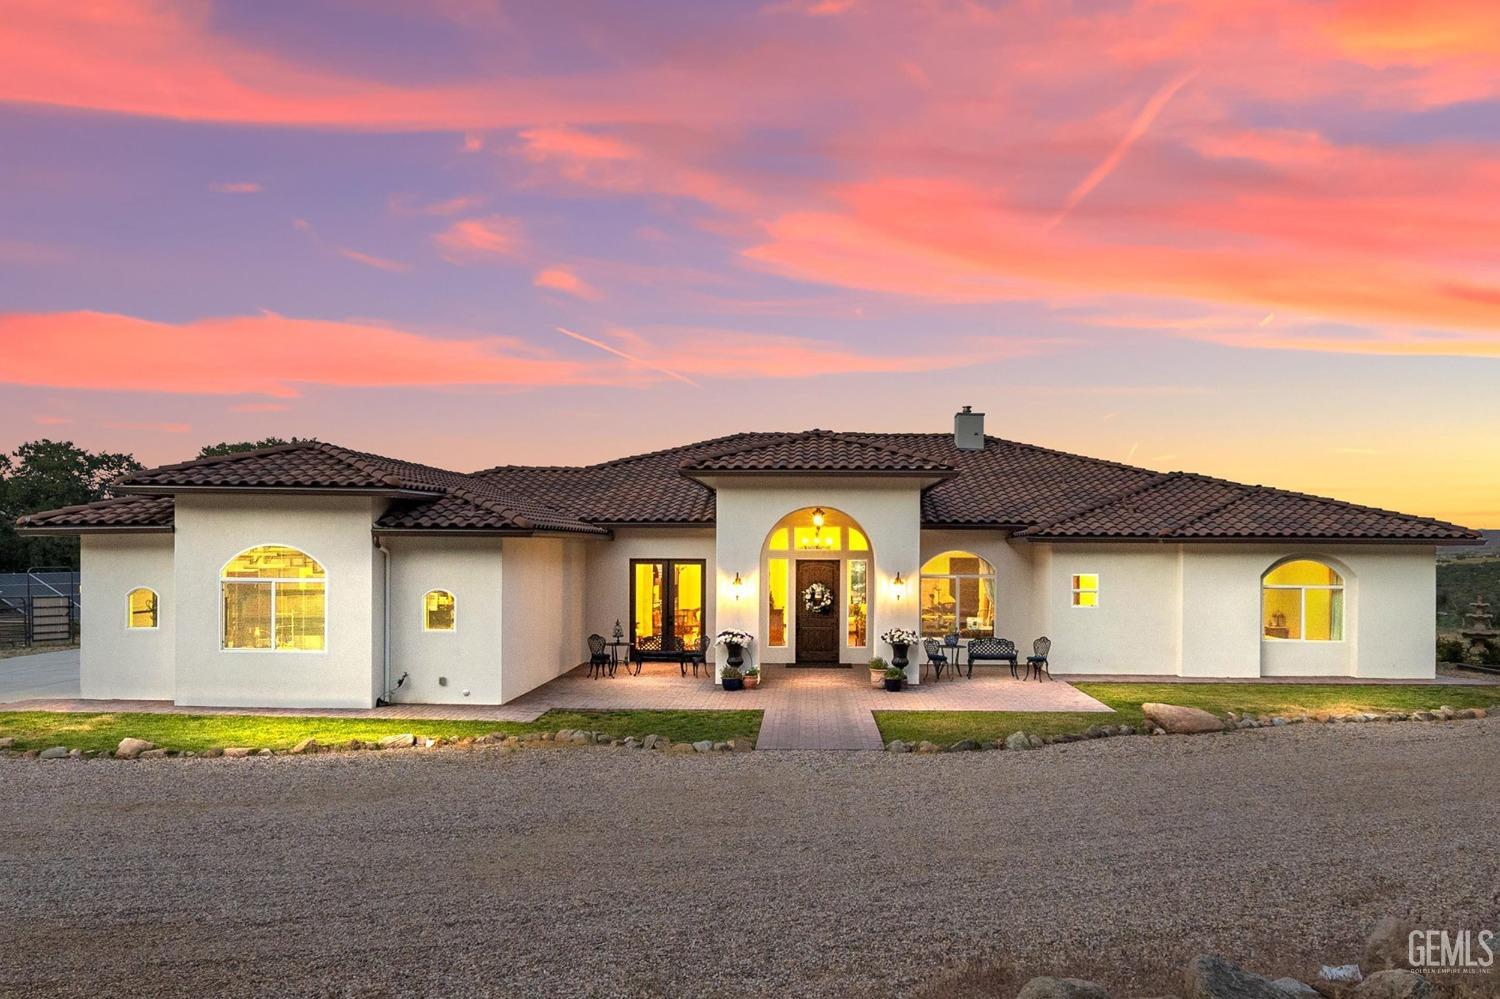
(1451, 650)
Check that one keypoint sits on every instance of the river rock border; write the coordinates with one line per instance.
(140, 749)
(1192, 723)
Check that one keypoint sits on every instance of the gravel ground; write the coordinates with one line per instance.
(612, 872)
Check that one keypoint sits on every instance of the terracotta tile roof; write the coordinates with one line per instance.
(1179, 506)
(291, 466)
(1039, 493)
(140, 513)
(818, 451)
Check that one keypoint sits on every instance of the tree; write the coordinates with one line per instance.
(228, 447)
(45, 475)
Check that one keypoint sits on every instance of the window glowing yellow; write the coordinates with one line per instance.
(142, 605)
(439, 611)
(777, 598)
(687, 594)
(857, 540)
(648, 599)
(858, 601)
(1086, 589)
(274, 598)
(958, 596)
(1303, 601)
(825, 539)
(778, 540)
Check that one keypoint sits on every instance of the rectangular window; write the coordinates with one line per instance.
(777, 600)
(858, 604)
(1086, 589)
(299, 615)
(816, 539)
(667, 601)
(247, 615)
(1311, 614)
(939, 606)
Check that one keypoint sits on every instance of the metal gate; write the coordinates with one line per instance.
(39, 606)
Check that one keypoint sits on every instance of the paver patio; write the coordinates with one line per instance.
(804, 708)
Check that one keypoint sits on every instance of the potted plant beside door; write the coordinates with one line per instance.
(900, 640)
(877, 672)
(893, 678)
(734, 642)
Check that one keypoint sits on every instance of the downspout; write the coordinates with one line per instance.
(385, 613)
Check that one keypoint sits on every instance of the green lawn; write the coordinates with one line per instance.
(41, 729)
(946, 727)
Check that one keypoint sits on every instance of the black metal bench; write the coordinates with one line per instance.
(998, 650)
(650, 650)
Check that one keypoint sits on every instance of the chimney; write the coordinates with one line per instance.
(968, 430)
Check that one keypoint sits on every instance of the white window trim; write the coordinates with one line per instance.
(1075, 590)
(155, 596)
(274, 580)
(1303, 588)
(422, 611)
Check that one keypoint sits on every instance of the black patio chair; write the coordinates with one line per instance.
(995, 650)
(937, 658)
(599, 658)
(1038, 660)
(697, 654)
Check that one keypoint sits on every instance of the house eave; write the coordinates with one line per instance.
(62, 531)
(1248, 540)
(155, 490)
(485, 532)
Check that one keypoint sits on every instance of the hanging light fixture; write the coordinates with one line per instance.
(818, 516)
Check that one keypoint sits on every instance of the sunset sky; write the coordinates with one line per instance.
(1260, 241)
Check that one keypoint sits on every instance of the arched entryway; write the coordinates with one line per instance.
(818, 566)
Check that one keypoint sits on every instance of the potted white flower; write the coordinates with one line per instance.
(900, 640)
(734, 643)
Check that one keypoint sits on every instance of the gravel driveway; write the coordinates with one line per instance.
(612, 872)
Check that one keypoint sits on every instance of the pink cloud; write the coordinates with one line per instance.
(468, 240)
(370, 260)
(104, 351)
(260, 407)
(236, 187)
(403, 204)
(564, 280)
(50, 421)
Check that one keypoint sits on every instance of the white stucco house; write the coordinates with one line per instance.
(310, 575)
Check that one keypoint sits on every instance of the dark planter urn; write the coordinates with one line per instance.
(734, 683)
(893, 683)
(734, 654)
(898, 655)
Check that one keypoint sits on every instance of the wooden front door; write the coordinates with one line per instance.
(817, 632)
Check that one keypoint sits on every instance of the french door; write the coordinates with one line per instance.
(666, 600)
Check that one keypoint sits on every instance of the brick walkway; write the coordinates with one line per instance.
(804, 708)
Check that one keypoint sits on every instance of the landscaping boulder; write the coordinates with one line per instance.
(741, 745)
(129, 749)
(682, 749)
(54, 753)
(1017, 740)
(1211, 977)
(1395, 983)
(1387, 945)
(897, 746)
(963, 746)
(238, 752)
(7, 743)
(1061, 988)
(215, 752)
(1177, 719)
(704, 746)
(650, 741)
(398, 741)
(928, 747)
(155, 754)
(1296, 989)
(306, 746)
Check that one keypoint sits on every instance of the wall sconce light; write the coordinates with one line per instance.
(898, 586)
(737, 586)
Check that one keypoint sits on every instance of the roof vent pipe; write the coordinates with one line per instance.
(968, 430)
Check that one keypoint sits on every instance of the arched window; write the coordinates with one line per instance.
(1303, 601)
(439, 611)
(958, 595)
(142, 605)
(274, 600)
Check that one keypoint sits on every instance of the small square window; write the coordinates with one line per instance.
(1086, 589)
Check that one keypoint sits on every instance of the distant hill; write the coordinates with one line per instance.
(1490, 547)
